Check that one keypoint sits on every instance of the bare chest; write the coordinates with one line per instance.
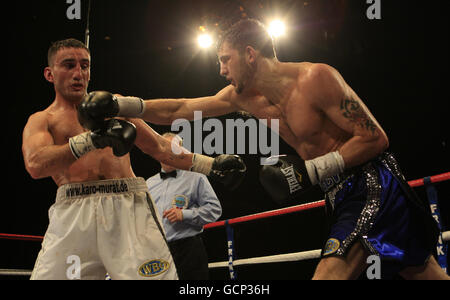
(298, 121)
(64, 126)
(95, 165)
(305, 121)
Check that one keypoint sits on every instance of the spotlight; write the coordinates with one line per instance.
(204, 40)
(276, 28)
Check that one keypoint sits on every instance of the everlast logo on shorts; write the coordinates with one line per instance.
(294, 184)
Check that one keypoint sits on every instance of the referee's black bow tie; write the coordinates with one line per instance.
(167, 175)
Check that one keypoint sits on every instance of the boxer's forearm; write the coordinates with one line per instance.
(169, 153)
(49, 160)
(100, 105)
(361, 149)
(165, 111)
(153, 144)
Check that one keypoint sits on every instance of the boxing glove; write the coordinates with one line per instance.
(286, 179)
(117, 134)
(98, 105)
(227, 169)
(291, 175)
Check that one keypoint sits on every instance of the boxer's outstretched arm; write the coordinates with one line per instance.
(345, 109)
(153, 144)
(165, 111)
(225, 168)
(41, 156)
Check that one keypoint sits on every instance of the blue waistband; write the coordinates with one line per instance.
(332, 185)
(386, 158)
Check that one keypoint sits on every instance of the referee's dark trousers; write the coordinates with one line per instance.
(190, 257)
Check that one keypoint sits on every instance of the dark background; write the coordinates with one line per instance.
(398, 65)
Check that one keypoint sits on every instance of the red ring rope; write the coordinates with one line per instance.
(278, 212)
(434, 179)
(268, 214)
(20, 237)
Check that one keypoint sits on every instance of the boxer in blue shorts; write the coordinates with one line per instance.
(375, 206)
(373, 211)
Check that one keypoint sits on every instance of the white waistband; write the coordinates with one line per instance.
(100, 187)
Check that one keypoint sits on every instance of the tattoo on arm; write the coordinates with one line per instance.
(354, 112)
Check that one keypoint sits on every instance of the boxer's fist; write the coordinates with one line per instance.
(95, 107)
(285, 180)
(117, 134)
(229, 170)
(99, 105)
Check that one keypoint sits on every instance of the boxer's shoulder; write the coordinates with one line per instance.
(60, 123)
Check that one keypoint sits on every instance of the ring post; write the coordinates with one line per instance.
(230, 243)
(441, 247)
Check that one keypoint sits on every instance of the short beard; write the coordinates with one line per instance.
(239, 88)
(245, 79)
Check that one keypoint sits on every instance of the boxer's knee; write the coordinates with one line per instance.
(342, 267)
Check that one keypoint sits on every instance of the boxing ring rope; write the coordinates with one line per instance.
(267, 214)
(297, 256)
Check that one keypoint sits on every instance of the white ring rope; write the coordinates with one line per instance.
(296, 256)
(270, 259)
(15, 272)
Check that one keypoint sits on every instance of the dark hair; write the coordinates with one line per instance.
(67, 43)
(249, 32)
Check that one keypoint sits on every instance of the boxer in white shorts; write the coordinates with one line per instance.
(113, 228)
(103, 219)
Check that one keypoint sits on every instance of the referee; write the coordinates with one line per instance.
(186, 201)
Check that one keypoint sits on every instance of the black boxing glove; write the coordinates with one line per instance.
(117, 134)
(98, 105)
(286, 179)
(227, 169)
(291, 176)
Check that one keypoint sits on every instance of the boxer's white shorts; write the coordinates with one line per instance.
(104, 226)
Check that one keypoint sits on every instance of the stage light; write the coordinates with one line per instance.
(276, 28)
(204, 40)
